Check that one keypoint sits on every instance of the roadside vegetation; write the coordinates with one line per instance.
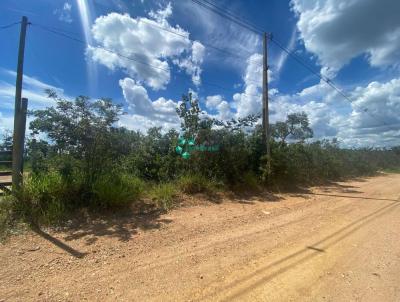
(78, 158)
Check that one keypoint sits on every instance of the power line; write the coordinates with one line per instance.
(326, 80)
(66, 34)
(186, 37)
(228, 15)
(206, 44)
(233, 15)
(308, 67)
(130, 58)
(258, 30)
(294, 56)
(9, 25)
(170, 31)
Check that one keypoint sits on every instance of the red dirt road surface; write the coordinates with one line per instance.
(335, 243)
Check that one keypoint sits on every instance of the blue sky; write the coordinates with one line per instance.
(177, 39)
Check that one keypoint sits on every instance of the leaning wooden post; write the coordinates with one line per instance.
(18, 147)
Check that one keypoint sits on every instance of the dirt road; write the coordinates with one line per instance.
(336, 243)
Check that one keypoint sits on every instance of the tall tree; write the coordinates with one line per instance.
(296, 127)
(81, 128)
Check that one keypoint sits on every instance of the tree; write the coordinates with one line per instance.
(6, 140)
(189, 112)
(280, 130)
(192, 120)
(81, 129)
(296, 127)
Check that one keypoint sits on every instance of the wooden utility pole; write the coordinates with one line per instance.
(19, 113)
(265, 120)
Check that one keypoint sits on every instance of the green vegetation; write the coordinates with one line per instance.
(7, 217)
(164, 195)
(116, 190)
(79, 158)
(196, 183)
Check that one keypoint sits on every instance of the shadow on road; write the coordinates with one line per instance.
(121, 225)
(59, 243)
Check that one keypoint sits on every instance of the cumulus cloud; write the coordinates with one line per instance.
(376, 105)
(162, 15)
(213, 101)
(64, 13)
(145, 113)
(148, 47)
(320, 114)
(250, 101)
(371, 119)
(220, 106)
(192, 64)
(339, 30)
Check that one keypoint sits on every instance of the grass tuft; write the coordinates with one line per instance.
(117, 190)
(196, 183)
(164, 195)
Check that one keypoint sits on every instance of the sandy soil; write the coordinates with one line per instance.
(335, 243)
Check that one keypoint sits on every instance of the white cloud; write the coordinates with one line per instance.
(377, 105)
(148, 46)
(213, 101)
(250, 102)
(220, 106)
(162, 15)
(192, 63)
(6, 123)
(64, 13)
(339, 30)
(371, 119)
(320, 114)
(221, 33)
(224, 111)
(145, 113)
(284, 55)
(33, 89)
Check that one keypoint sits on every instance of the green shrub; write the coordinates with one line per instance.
(196, 183)
(43, 199)
(250, 181)
(164, 195)
(115, 190)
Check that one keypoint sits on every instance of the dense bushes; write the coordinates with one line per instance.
(116, 190)
(322, 161)
(86, 161)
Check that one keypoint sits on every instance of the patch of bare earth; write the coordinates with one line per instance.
(334, 243)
